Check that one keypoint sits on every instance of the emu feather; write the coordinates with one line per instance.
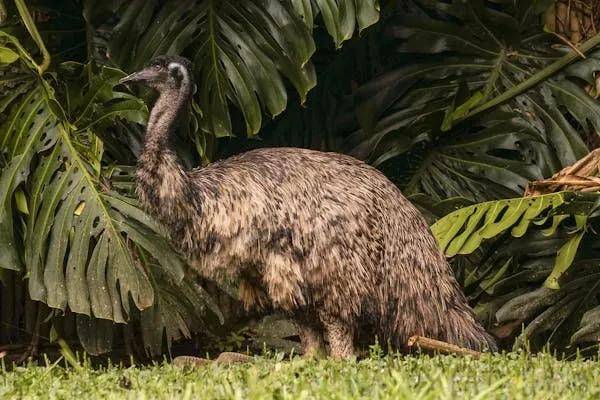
(321, 236)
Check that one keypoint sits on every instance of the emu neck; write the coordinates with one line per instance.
(162, 181)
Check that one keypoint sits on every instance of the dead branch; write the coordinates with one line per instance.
(574, 20)
(584, 176)
(424, 343)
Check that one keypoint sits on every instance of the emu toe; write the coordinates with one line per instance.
(233, 358)
(190, 361)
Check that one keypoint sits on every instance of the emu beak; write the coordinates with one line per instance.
(128, 78)
(142, 75)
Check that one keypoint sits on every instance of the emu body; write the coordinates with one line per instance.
(323, 237)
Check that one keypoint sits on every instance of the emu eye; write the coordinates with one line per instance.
(156, 66)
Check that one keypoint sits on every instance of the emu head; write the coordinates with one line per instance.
(165, 73)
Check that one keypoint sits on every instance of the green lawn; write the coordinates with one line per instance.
(441, 377)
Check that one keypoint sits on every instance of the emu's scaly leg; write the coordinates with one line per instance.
(311, 339)
(340, 336)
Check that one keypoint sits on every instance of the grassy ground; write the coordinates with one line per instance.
(493, 377)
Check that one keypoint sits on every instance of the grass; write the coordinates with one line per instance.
(513, 376)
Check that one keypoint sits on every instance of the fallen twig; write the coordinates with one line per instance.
(425, 343)
(581, 176)
(224, 358)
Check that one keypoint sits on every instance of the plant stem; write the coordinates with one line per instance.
(3, 13)
(35, 35)
(536, 78)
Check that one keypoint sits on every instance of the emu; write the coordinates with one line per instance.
(322, 237)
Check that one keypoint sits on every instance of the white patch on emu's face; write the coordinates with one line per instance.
(185, 76)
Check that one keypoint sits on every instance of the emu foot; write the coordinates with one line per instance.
(190, 361)
(223, 358)
(314, 354)
(232, 358)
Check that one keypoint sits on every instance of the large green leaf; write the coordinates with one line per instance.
(463, 231)
(177, 309)
(83, 244)
(566, 254)
(80, 239)
(242, 51)
(340, 17)
(541, 272)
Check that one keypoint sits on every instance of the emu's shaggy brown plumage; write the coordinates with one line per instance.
(321, 236)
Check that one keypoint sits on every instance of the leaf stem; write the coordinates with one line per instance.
(536, 78)
(35, 35)
(3, 13)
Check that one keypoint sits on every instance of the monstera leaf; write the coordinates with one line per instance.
(242, 51)
(464, 230)
(79, 241)
(535, 264)
(67, 210)
(463, 55)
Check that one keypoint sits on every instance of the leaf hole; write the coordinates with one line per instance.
(501, 214)
(509, 154)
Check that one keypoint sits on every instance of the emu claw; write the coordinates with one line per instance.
(223, 358)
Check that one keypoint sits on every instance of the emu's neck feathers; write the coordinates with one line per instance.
(162, 183)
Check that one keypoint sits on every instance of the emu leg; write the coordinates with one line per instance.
(340, 336)
(311, 339)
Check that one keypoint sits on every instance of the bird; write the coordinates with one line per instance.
(321, 237)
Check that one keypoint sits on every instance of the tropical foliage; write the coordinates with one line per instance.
(461, 103)
(77, 254)
(541, 269)
(532, 266)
